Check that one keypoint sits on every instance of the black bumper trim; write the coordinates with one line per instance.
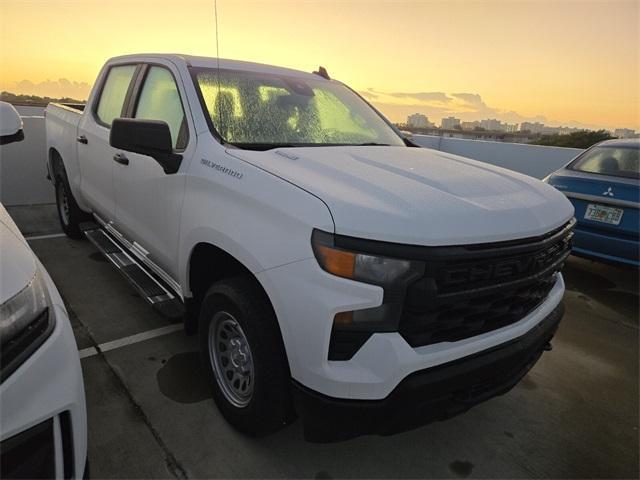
(428, 395)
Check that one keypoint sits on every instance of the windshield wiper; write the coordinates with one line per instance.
(271, 146)
(262, 146)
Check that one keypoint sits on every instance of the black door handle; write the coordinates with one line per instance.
(121, 158)
(82, 139)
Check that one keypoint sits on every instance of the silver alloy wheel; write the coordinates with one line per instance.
(63, 204)
(231, 359)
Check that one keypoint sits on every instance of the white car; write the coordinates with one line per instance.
(43, 421)
(332, 269)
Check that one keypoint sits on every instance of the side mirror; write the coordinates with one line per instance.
(407, 137)
(10, 124)
(147, 137)
(407, 134)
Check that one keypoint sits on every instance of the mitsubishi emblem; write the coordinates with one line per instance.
(608, 193)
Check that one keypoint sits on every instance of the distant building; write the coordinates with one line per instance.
(568, 130)
(417, 120)
(535, 127)
(491, 124)
(510, 127)
(624, 133)
(547, 130)
(449, 123)
(469, 125)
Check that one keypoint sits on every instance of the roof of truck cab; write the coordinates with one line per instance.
(212, 62)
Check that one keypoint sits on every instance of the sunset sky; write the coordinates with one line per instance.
(568, 63)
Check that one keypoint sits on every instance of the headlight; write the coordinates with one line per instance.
(23, 322)
(392, 274)
(389, 273)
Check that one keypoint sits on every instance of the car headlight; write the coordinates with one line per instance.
(24, 321)
(392, 274)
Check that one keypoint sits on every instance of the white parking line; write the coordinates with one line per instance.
(87, 352)
(42, 237)
(130, 340)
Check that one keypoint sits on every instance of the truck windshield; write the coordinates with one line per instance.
(261, 111)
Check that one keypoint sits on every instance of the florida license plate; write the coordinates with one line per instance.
(601, 213)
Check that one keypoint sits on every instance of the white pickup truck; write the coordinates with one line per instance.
(331, 269)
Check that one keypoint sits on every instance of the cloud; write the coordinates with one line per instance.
(470, 98)
(368, 94)
(436, 105)
(62, 87)
(438, 97)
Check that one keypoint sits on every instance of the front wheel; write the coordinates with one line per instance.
(69, 213)
(244, 357)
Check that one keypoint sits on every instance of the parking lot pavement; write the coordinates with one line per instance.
(151, 413)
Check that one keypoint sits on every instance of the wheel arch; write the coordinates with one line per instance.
(55, 163)
(207, 264)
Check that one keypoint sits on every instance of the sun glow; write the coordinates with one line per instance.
(569, 63)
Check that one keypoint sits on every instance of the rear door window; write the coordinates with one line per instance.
(114, 92)
(160, 100)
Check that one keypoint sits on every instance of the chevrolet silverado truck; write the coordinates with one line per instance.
(332, 270)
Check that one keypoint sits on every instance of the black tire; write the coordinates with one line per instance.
(269, 406)
(69, 213)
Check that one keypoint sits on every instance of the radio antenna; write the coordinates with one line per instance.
(215, 10)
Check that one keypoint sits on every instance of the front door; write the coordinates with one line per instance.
(149, 201)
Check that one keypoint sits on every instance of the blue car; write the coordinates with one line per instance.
(603, 183)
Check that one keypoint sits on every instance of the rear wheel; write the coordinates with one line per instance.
(242, 351)
(69, 213)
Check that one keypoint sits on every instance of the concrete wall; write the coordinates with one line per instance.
(534, 160)
(23, 164)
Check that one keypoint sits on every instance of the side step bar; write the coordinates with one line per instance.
(161, 298)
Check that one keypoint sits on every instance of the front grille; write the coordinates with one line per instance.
(470, 290)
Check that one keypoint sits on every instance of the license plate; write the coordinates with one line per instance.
(600, 213)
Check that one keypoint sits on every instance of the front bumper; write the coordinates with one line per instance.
(431, 394)
(43, 416)
(386, 358)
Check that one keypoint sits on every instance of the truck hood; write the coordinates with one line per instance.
(17, 263)
(417, 195)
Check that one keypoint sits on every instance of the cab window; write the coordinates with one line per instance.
(160, 100)
(114, 92)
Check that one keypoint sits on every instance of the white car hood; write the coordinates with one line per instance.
(417, 195)
(17, 263)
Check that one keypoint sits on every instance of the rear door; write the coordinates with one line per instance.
(95, 155)
(148, 200)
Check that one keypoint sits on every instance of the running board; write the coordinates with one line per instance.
(161, 298)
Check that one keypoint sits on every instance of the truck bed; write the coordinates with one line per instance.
(61, 122)
(74, 107)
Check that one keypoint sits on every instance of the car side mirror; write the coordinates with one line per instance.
(407, 138)
(147, 137)
(11, 129)
(407, 134)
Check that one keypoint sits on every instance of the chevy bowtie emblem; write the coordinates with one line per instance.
(608, 193)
